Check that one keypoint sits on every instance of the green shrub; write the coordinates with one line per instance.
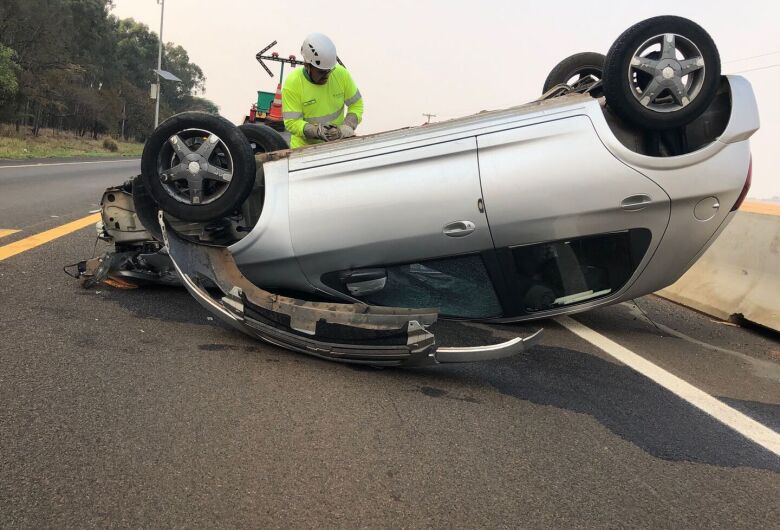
(110, 144)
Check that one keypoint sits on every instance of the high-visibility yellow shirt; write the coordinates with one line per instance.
(304, 102)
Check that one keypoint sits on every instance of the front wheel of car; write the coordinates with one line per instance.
(662, 73)
(198, 167)
(262, 138)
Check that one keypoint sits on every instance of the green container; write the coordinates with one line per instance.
(264, 100)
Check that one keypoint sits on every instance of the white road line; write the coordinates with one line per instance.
(746, 426)
(39, 164)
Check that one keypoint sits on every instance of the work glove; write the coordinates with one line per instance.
(346, 131)
(316, 132)
(337, 132)
(332, 132)
(329, 133)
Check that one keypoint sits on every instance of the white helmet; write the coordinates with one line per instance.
(318, 50)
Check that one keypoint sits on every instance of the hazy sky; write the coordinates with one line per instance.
(453, 58)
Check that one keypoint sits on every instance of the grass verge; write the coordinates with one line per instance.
(55, 144)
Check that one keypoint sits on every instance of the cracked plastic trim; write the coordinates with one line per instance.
(352, 333)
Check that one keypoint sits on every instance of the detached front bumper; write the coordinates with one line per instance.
(351, 333)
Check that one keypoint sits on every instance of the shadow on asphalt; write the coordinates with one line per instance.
(168, 304)
(622, 400)
(765, 413)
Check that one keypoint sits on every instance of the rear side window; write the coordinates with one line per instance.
(562, 273)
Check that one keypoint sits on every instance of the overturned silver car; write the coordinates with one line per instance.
(607, 188)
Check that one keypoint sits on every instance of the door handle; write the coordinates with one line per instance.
(634, 203)
(459, 228)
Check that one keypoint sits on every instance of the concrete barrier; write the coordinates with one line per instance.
(740, 273)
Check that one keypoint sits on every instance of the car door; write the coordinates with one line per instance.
(397, 208)
(572, 222)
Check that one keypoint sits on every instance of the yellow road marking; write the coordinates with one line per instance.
(7, 232)
(37, 240)
(767, 208)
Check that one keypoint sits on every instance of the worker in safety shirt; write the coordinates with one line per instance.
(314, 97)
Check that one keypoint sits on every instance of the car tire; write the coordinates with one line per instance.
(648, 88)
(200, 188)
(262, 138)
(146, 208)
(579, 64)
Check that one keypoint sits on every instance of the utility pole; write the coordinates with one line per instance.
(429, 116)
(159, 64)
(124, 118)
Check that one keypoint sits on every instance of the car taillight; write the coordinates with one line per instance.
(745, 188)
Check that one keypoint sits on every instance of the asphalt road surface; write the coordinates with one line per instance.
(136, 409)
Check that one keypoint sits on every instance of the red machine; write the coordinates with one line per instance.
(268, 109)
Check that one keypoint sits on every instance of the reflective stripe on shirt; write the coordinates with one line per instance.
(353, 99)
(325, 119)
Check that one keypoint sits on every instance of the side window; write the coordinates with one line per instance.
(561, 273)
(459, 287)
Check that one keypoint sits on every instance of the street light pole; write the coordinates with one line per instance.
(159, 65)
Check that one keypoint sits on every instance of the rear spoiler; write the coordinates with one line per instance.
(744, 120)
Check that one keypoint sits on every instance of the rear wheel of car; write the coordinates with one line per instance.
(577, 68)
(198, 167)
(662, 73)
(262, 138)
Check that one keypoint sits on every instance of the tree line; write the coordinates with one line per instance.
(72, 65)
